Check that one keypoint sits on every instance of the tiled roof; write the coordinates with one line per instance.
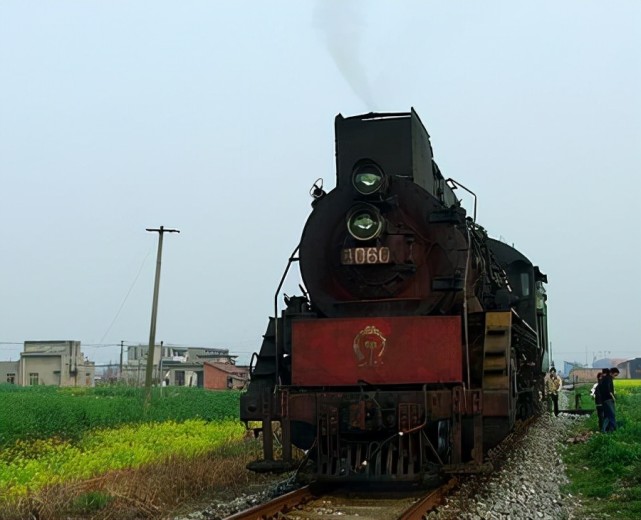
(228, 368)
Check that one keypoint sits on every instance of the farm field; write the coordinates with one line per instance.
(29, 466)
(100, 452)
(43, 412)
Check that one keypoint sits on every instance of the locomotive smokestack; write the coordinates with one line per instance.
(397, 142)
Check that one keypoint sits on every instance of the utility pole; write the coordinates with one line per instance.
(121, 349)
(154, 311)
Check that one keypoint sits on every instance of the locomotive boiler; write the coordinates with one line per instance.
(417, 342)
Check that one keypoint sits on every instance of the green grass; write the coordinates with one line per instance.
(28, 413)
(91, 502)
(627, 383)
(606, 470)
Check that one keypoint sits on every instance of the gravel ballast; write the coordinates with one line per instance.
(527, 480)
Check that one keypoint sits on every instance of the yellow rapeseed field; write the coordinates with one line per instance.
(28, 466)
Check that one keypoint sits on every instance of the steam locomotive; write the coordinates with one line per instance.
(417, 342)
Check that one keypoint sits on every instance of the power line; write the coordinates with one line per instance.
(127, 295)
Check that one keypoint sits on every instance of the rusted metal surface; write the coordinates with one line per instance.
(377, 350)
(276, 507)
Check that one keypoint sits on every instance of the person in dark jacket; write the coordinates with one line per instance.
(606, 391)
(596, 395)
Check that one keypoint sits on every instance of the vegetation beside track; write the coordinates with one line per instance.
(605, 470)
(100, 453)
(150, 491)
(43, 412)
(29, 466)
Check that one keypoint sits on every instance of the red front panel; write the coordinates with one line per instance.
(342, 351)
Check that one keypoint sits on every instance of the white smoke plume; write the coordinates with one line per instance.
(341, 24)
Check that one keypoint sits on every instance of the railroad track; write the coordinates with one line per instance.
(305, 504)
(346, 504)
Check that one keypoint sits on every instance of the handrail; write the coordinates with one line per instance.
(466, 189)
(292, 258)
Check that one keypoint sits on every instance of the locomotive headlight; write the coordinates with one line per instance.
(368, 178)
(364, 222)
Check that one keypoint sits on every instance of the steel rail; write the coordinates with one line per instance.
(429, 502)
(271, 509)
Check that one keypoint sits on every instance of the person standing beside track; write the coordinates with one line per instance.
(596, 395)
(606, 389)
(552, 386)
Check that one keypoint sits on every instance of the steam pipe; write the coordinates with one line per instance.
(465, 322)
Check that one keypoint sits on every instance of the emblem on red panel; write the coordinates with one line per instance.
(369, 346)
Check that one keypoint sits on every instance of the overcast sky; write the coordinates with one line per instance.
(215, 118)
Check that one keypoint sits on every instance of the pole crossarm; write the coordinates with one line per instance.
(162, 229)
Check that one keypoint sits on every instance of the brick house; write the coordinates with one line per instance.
(225, 376)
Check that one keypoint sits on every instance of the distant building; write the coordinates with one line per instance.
(583, 375)
(9, 372)
(221, 376)
(631, 369)
(568, 366)
(58, 363)
(174, 366)
(607, 362)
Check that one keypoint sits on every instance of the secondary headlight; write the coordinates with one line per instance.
(367, 179)
(364, 222)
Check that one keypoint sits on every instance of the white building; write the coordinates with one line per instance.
(59, 363)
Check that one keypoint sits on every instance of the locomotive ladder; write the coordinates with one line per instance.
(270, 407)
(498, 401)
(496, 351)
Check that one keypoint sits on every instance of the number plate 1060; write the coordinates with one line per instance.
(365, 256)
